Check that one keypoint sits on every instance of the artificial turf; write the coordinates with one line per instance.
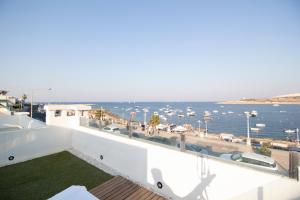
(41, 178)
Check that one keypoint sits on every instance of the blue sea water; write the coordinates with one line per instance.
(233, 119)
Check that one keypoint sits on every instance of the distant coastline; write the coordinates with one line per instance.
(283, 99)
(242, 102)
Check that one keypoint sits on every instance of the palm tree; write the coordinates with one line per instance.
(154, 121)
(99, 114)
(23, 98)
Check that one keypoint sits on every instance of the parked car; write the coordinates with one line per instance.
(194, 147)
(161, 140)
(253, 159)
(112, 129)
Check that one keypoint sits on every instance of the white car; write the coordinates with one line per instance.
(253, 159)
(112, 129)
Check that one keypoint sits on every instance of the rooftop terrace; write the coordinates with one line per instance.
(164, 170)
(41, 178)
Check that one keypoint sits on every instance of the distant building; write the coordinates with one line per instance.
(6, 102)
(66, 115)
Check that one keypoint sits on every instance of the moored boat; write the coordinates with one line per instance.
(261, 125)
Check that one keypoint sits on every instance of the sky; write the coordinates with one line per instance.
(149, 50)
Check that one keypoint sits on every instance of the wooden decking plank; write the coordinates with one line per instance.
(112, 190)
(137, 194)
(130, 192)
(120, 188)
(109, 182)
(146, 195)
(150, 196)
(119, 193)
(105, 188)
(156, 197)
(102, 191)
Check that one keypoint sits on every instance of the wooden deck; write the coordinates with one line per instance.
(122, 189)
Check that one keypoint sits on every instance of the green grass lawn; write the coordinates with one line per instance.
(44, 177)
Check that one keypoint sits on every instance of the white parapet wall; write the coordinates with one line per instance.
(26, 144)
(182, 175)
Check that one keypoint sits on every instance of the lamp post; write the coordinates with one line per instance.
(31, 99)
(199, 121)
(132, 114)
(248, 128)
(145, 116)
(297, 132)
(206, 130)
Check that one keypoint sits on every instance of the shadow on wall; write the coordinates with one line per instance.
(199, 192)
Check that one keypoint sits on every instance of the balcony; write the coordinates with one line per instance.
(161, 169)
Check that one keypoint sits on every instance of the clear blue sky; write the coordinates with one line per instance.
(150, 50)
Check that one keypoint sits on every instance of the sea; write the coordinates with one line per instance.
(224, 118)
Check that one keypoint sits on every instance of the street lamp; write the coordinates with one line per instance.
(206, 130)
(199, 121)
(248, 115)
(32, 91)
(145, 116)
(132, 114)
(297, 132)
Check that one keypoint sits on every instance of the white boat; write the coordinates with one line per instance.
(163, 117)
(191, 113)
(207, 114)
(276, 105)
(254, 129)
(254, 113)
(215, 111)
(170, 114)
(260, 125)
(230, 112)
(155, 113)
(290, 131)
(223, 113)
(180, 115)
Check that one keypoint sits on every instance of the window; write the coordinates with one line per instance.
(70, 113)
(57, 113)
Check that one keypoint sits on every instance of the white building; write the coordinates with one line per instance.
(65, 115)
(6, 102)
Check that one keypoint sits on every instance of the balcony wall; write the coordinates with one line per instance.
(25, 144)
(182, 175)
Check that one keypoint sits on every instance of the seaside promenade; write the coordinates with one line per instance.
(210, 141)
